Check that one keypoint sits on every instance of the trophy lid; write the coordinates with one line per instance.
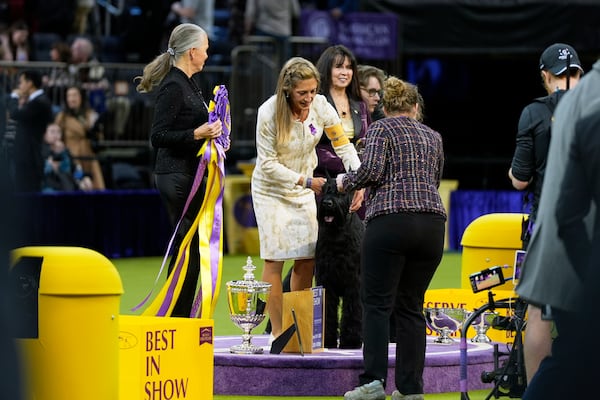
(249, 283)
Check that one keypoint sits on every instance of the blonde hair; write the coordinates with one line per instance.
(295, 70)
(399, 96)
(183, 38)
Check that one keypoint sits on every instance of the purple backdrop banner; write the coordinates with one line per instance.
(371, 36)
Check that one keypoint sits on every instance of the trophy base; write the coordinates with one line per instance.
(481, 339)
(443, 340)
(245, 348)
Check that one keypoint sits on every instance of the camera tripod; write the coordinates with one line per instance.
(509, 378)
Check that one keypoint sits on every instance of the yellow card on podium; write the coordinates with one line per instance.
(165, 358)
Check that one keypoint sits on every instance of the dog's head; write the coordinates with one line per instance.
(333, 206)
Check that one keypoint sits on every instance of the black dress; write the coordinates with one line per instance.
(180, 108)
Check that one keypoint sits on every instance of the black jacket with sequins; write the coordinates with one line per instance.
(180, 108)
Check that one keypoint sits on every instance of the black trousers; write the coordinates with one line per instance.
(400, 255)
(174, 190)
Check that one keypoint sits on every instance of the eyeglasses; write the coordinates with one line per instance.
(373, 92)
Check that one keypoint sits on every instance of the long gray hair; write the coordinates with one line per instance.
(183, 38)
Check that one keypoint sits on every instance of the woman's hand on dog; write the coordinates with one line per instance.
(358, 197)
(357, 200)
(317, 184)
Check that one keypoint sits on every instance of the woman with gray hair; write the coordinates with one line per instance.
(179, 129)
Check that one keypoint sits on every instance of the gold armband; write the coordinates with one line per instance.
(337, 136)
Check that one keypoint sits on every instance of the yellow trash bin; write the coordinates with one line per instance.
(68, 331)
(491, 240)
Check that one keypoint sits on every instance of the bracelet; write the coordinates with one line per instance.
(308, 182)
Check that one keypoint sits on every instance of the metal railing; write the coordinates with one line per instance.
(254, 74)
(127, 115)
(111, 92)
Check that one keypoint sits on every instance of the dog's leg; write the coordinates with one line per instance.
(351, 322)
(332, 302)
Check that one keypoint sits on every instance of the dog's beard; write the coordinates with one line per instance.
(333, 207)
(336, 214)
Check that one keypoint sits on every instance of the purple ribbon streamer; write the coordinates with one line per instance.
(221, 111)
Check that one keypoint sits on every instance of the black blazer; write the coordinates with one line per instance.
(31, 121)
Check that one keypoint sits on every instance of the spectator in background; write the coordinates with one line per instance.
(77, 121)
(59, 77)
(199, 12)
(560, 69)
(5, 53)
(272, 18)
(86, 69)
(19, 42)
(30, 108)
(82, 50)
(61, 172)
(337, 67)
(371, 80)
(60, 52)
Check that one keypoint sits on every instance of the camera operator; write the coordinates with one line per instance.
(560, 69)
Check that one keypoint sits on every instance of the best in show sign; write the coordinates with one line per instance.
(372, 36)
(165, 358)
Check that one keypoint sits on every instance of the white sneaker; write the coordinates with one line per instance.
(396, 395)
(368, 391)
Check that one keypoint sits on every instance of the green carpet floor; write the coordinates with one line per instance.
(139, 275)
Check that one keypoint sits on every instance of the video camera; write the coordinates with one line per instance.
(486, 279)
(508, 374)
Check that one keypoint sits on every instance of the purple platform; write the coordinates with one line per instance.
(333, 372)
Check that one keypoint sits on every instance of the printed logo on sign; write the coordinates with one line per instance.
(127, 340)
(206, 335)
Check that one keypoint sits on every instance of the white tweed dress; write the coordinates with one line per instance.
(286, 213)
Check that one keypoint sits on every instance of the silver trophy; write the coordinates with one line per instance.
(445, 321)
(247, 301)
(481, 324)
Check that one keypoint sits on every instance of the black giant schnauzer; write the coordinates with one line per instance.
(337, 261)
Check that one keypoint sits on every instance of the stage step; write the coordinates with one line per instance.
(332, 372)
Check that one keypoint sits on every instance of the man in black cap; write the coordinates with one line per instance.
(560, 69)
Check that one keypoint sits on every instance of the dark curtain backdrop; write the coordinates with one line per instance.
(133, 223)
(492, 26)
(122, 223)
(467, 205)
